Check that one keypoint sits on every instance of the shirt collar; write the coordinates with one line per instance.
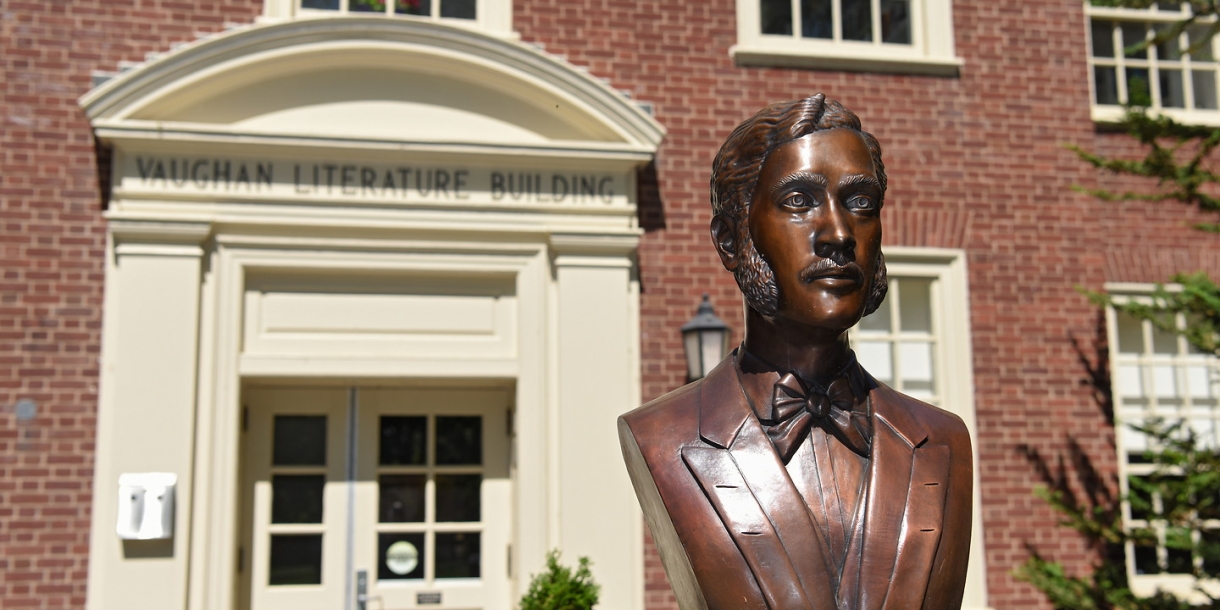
(758, 378)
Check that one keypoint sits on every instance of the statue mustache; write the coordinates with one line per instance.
(827, 266)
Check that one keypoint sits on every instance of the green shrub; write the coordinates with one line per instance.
(558, 588)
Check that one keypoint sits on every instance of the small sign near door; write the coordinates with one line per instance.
(427, 598)
(402, 557)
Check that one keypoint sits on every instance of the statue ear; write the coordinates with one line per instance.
(724, 236)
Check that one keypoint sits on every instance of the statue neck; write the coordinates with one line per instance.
(811, 352)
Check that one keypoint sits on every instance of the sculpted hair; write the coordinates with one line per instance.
(735, 174)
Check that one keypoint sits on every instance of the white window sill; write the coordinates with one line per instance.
(852, 57)
(1114, 114)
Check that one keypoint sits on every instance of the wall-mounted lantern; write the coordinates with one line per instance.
(705, 339)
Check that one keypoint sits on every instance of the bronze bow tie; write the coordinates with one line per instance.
(796, 408)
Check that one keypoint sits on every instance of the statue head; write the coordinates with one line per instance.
(801, 131)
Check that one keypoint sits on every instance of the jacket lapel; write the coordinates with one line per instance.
(905, 507)
(747, 484)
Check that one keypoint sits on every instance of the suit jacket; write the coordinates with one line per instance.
(734, 532)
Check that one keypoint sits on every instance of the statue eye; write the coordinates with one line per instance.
(799, 200)
(862, 203)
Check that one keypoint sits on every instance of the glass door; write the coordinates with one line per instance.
(376, 499)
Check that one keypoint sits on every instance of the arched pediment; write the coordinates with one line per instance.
(373, 79)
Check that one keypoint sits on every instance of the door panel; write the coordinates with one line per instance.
(295, 464)
(409, 486)
(433, 497)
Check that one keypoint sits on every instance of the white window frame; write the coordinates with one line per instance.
(1181, 585)
(930, 52)
(491, 16)
(1112, 113)
(953, 367)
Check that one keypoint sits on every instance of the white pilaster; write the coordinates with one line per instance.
(147, 411)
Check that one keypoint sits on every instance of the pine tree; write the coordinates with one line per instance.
(558, 588)
(1184, 489)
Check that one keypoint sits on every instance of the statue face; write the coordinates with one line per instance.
(815, 219)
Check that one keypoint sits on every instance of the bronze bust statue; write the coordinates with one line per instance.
(788, 478)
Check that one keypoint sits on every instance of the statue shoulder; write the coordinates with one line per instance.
(945, 425)
(674, 412)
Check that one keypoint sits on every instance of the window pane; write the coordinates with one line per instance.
(874, 356)
(1169, 49)
(896, 21)
(1140, 499)
(1172, 93)
(458, 497)
(413, 7)
(916, 367)
(1209, 548)
(1134, 442)
(400, 556)
(1204, 82)
(1164, 382)
(458, 9)
(401, 498)
(366, 6)
(326, 5)
(857, 19)
(878, 321)
(1106, 84)
(1177, 541)
(1164, 342)
(296, 560)
(404, 440)
(300, 440)
(1204, 428)
(816, 20)
(776, 17)
(1137, 87)
(459, 440)
(1194, 34)
(915, 311)
(1130, 334)
(1129, 381)
(1145, 560)
(297, 498)
(1102, 33)
(1198, 381)
(1134, 33)
(457, 555)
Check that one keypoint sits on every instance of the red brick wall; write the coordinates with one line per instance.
(975, 162)
(52, 243)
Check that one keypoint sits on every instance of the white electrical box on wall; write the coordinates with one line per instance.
(146, 505)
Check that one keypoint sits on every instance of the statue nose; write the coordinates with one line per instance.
(834, 233)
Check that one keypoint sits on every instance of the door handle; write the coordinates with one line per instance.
(362, 590)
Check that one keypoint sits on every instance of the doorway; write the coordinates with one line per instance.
(375, 498)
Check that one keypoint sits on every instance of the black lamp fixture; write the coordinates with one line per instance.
(705, 339)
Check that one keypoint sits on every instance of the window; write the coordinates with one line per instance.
(1159, 375)
(913, 36)
(1177, 76)
(918, 342)
(494, 16)
(455, 9)
(897, 344)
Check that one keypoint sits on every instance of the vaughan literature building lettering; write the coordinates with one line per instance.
(397, 182)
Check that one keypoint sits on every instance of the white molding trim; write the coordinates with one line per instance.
(300, 44)
(1112, 115)
(846, 59)
(948, 266)
(931, 51)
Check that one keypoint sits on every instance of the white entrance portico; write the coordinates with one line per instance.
(371, 297)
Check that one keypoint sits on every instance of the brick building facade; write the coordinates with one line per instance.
(976, 159)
